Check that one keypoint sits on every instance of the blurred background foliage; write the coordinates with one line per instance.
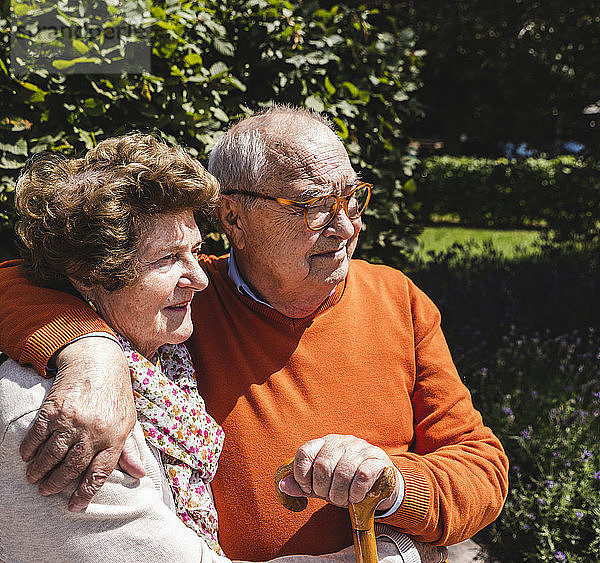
(559, 194)
(213, 62)
(521, 71)
(524, 336)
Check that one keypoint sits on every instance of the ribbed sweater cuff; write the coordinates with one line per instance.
(46, 341)
(413, 512)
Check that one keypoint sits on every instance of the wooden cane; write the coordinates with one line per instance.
(362, 514)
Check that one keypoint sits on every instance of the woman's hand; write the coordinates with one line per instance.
(84, 422)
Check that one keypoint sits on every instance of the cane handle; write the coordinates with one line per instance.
(297, 504)
(362, 513)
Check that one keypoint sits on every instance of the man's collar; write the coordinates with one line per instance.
(235, 276)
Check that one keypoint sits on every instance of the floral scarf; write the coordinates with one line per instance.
(175, 421)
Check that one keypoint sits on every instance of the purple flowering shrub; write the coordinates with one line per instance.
(542, 399)
(525, 337)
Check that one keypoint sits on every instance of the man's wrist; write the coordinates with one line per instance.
(400, 490)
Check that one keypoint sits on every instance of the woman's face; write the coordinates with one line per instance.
(156, 309)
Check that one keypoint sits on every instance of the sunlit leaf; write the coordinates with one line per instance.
(220, 114)
(218, 68)
(80, 46)
(224, 47)
(329, 86)
(342, 128)
(315, 103)
(61, 64)
(352, 89)
(193, 59)
(19, 147)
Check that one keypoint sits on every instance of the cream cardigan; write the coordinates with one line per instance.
(128, 520)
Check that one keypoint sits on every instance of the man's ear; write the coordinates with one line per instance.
(231, 213)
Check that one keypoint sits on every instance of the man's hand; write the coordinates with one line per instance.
(84, 422)
(338, 469)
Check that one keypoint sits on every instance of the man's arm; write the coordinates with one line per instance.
(89, 413)
(36, 322)
(455, 478)
(75, 428)
(456, 473)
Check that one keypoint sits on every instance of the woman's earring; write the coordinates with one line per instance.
(92, 306)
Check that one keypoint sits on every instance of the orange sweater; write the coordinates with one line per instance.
(372, 362)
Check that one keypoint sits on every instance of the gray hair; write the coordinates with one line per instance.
(239, 160)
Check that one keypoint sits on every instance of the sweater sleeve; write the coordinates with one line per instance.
(456, 472)
(36, 322)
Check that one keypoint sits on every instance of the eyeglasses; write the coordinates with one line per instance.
(320, 211)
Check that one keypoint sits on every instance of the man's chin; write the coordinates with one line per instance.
(337, 275)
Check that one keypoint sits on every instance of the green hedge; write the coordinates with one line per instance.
(215, 61)
(562, 193)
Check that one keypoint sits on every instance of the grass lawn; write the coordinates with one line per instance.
(438, 238)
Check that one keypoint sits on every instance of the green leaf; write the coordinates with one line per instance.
(342, 128)
(10, 163)
(80, 46)
(88, 138)
(220, 114)
(353, 90)
(20, 9)
(37, 95)
(20, 147)
(410, 187)
(166, 25)
(31, 86)
(218, 68)
(61, 64)
(329, 86)
(224, 47)
(237, 83)
(158, 12)
(193, 59)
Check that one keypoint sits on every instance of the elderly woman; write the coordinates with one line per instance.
(117, 226)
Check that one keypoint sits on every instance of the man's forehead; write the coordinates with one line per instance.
(318, 160)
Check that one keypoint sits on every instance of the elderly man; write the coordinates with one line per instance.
(300, 351)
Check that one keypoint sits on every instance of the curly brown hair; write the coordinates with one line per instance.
(84, 217)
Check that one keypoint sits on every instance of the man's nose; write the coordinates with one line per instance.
(194, 277)
(341, 225)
